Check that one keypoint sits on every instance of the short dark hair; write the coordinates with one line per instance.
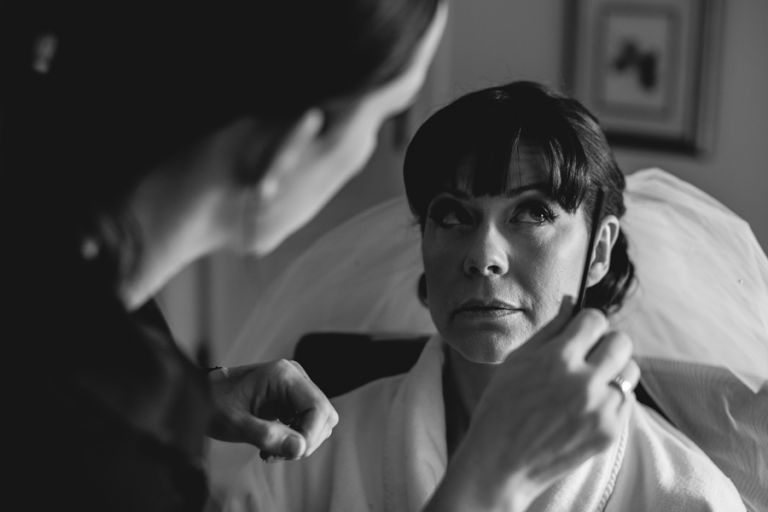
(488, 126)
(133, 85)
(128, 88)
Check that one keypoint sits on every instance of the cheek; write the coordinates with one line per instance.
(442, 268)
(359, 142)
(361, 152)
(552, 268)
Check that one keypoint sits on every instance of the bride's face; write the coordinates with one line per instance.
(498, 267)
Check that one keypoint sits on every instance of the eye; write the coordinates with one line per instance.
(535, 211)
(449, 213)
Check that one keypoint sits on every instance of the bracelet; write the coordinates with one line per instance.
(224, 370)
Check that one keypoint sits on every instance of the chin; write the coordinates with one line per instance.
(483, 349)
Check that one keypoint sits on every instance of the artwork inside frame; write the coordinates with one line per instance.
(647, 69)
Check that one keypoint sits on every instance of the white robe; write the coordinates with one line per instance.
(388, 453)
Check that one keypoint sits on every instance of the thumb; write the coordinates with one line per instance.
(274, 439)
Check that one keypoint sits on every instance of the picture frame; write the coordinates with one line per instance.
(647, 69)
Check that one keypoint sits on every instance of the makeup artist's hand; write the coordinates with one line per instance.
(547, 410)
(274, 406)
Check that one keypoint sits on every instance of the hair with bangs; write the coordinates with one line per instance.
(470, 145)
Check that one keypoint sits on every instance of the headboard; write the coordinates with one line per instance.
(342, 361)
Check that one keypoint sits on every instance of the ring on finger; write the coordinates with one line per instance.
(623, 385)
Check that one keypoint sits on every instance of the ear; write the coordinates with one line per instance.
(297, 146)
(601, 255)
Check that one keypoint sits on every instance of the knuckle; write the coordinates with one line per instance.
(333, 420)
(594, 384)
(595, 317)
(617, 349)
(623, 340)
(579, 400)
(283, 367)
(564, 361)
(561, 362)
(268, 438)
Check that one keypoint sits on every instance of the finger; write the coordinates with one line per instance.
(578, 337)
(303, 394)
(299, 367)
(610, 354)
(316, 425)
(625, 409)
(315, 414)
(631, 374)
(324, 434)
(273, 438)
(332, 421)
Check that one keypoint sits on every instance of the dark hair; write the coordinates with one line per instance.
(488, 126)
(127, 89)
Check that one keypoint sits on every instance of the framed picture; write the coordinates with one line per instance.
(646, 68)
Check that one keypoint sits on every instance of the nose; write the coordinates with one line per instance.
(488, 255)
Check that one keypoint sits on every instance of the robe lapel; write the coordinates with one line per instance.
(415, 452)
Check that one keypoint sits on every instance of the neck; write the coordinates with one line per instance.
(174, 212)
(463, 385)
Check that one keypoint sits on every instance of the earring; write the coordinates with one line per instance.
(89, 248)
(268, 188)
(44, 52)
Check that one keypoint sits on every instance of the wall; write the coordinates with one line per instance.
(488, 42)
(736, 172)
(498, 40)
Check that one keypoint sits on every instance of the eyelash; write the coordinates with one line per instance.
(539, 211)
(544, 210)
(442, 209)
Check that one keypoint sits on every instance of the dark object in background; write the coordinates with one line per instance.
(339, 362)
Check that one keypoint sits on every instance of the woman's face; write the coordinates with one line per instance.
(341, 152)
(498, 267)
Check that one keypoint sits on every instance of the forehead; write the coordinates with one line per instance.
(477, 176)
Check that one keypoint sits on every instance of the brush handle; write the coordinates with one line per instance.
(597, 214)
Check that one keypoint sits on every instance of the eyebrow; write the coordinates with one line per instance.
(540, 187)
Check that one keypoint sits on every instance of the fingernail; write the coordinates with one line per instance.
(292, 447)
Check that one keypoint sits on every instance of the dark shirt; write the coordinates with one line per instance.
(108, 415)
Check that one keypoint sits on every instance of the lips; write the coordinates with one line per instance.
(479, 308)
